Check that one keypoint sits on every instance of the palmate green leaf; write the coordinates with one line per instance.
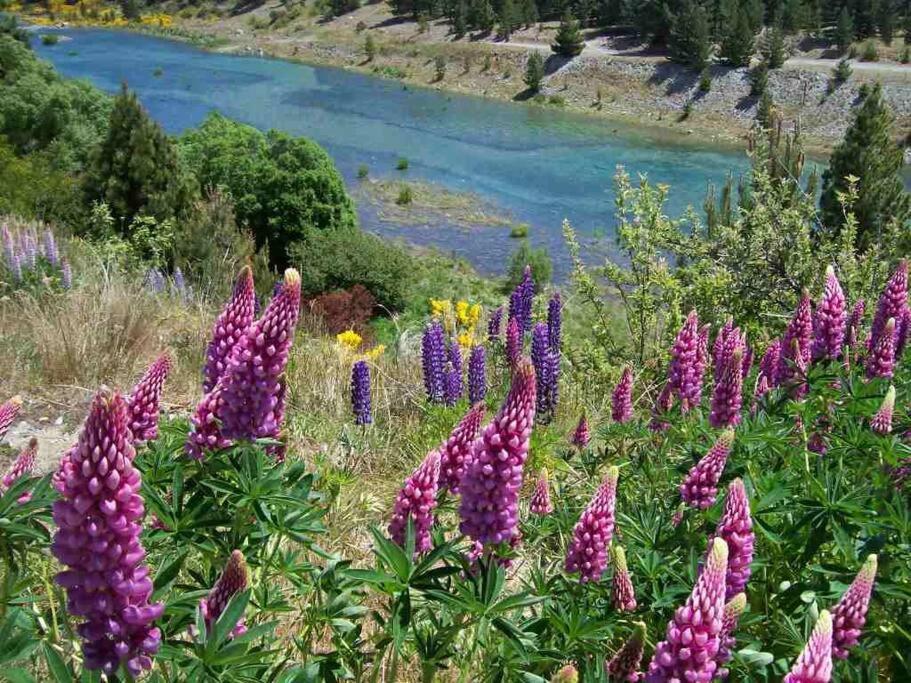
(59, 670)
(169, 571)
(391, 555)
(16, 676)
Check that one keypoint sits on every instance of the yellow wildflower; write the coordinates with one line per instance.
(474, 315)
(375, 352)
(462, 312)
(349, 339)
(466, 339)
(440, 307)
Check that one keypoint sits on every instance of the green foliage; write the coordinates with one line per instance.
(508, 19)
(844, 30)
(869, 53)
(534, 71)
(32, 187)
(689, 41)
(568, 42)
(759, 79)
(370, 47)
(405, 196)
(765, 109)
(10, 27)
(401, 164)
(842, 71)
(526, 255)
(439, 66)
(772, 47)
(885, 21)
(363, 171)
(50, 39)
(737, 42)
(705, 81)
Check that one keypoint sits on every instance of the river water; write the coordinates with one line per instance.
(537, 164)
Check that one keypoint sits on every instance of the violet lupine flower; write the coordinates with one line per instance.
(451, 385)
(50, 248)
(622, 595)
(495, 324)
(66, 274)
(16, 266)
(684, 374)
(477, 374)
(768, 366)
(815, 662)
(829, 321)
(700, 486)
(581, 434)
(145, 397)
(567, 674)
(624, 666)
(233, 580)
(546, 378)
(892, 304)
(252, 378)
(433, 359)
(513, 342)
(732, 611)
(205, 430)
(492, 480)
(154, 281)
(736, 529)
(21, 467)
(882, 421)
(747, 357)
(718, 346)
(881, 362)
(180, 284)
(852, 330)
(540, 499)
(456, 452)
(554, 322)
(694, 634)
(31, 250)
(233, 321)
(360, 393)
(521, 300)
(8, 412)
(587, 554)
(622, 398)
(98, 538)
(850, 614)
(727, 396)
(417, 500)
(795, 343)
(454, 384)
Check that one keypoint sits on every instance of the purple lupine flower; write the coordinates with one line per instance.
(719, 345)
(205, 430)
(684, 376)
(768, 366)
(587, 554)
(829, 321)
(852, 330)
(727, 396)
(145, 397)
(451, 385)
(554, 322)
(360, 393)
(66, 274)
(417, 500)
(622, 595)
(541, 357)
(747, 357)
(702, 352)
(492, 480)
(553, 375)
(16, 266)
(98, 538)
(815, 662)
(252, 378)
(233, 580)
(477, 374)
(455, 454)
(9, 244)
(881, 362)
(567, 674)
(31, 250)
(762, 388)
(433, 360)
(513, 342)
(454, 385)
(180, 284)
(520, 310)
(700, 486)
(892, 304)
(622, 398)
(694, 634)
(50, 248)
(736, 528)
(882, 421)
(795, 343)
(581, 434)
(732, 611)
(495, 324)
(233, 321)
(624, 666)
(8, 413)
(154, 281)
(850, 614)
(21, 467)
(540, 499)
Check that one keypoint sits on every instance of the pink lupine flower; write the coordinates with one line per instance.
(829, 322)
(587, 554)
(234, 320)
(567, 674)
(768, 366)
(815, 662)
(882, 421)
(892, 304)
(690, 648)
(719, 344)
(736, 529)
(727, 396)
(252, 379)
(417, 500)
(702, 350)
(21, 467)
(881, 362)
(624, 666)
(622, 398)
(684, 375)
(700, 486)
(8, 412)
(456, 452)
(852, 331)
(145, 397)
(205, 429)
(581, 434)
(233, 580)
(492, 481)
(762, 388)
(98, 538)
(795, 344)
(732, 611)
(540, 499)
(850, 614)
(513, 342)
(622, 595)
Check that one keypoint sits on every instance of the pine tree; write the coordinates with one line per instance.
(906, 27)
(772, 47)
(865, 18)
(885, 21)
(534, 71)
(689, 41)
(765, 109)
(794, 16)
(868, 153)
(568, 41)
(481, 15)
(460, 20)
(529, 13)
(755, 12)
(844, 31)
(759, 79)
(737, 44)
(508, 20)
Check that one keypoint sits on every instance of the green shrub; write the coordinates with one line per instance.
(405, 196)
(362, 171)
(705, 81)
(526, 255)
(401, 164)
(870, 53)
(49, 39)
(519, 231)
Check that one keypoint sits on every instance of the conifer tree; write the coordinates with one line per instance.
(765, 109)
(529, 13)
(568, 41)
(885, 21)
(508, 20)
(869, 153)
(772, 47)
(844, 31)
(534, 71)
(460, 20)
(689, 41)
(737, 43)
(864, 18)
(481, 15)
(755, 12)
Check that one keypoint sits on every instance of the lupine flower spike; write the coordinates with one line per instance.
(736, 528)
(625, 665)
(540, 500)
(592, 534)
(852, 332)
(417, 500)
(98, 539)
(700, 486)
(21, 467)
(881, 362)
(433, 357)
(850, 614)
(477, 374)
(693, 637)
(829, 322)
(727, 396)
(882, 421)
(233, 580)
(228, 328)
(8, 413)
(495, 324)
(815, 662)
(455, 454)
(145, 397)
(360, 393)
(892, 304)
(513, 342)
(205, 428)
(454, 379)
(546, 380)
(554, 322)
(768, 366)
(795, 344)
(622, 595)
(622, 398)
(581, 434)
(732, 611)
(684, 374)
(492, 481)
